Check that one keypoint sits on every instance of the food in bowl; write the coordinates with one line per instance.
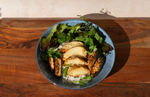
(75, 53)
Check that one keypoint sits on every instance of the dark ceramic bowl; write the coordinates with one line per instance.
(108, 65)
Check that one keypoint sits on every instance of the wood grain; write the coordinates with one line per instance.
(50, 90)
(20, 75)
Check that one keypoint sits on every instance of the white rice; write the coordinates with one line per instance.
(71, 79)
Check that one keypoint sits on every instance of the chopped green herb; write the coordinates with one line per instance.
(73, 81)
(44, 56)
(90, 77)
(65, 71)
(53, 54)
(98, 38)
(62, 27)
(74, 28)
(92, 32)
(84, 20)
(88, 42)
(68, 38)
(66, 68)
(61, 37)
(80, 83)
(80, 38)
(85, 79)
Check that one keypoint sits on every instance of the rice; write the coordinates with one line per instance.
(71, 79)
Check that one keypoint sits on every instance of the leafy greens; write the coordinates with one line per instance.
(45, 42)
(92, 38)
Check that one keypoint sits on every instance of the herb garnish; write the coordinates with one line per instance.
(83, 80)
(65, 70)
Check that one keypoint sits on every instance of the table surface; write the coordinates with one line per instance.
(20, 75)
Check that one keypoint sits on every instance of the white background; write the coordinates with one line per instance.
(72, 8)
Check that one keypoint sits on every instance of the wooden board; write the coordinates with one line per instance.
(20, 75)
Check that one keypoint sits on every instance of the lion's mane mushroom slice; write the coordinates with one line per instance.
(91, 59)
(80, 52)
(58, 65)
(74, 61)
(51, 63)
(69, 45)
(78, 70)
(97, 66)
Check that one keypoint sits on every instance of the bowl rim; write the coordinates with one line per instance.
(107, 36)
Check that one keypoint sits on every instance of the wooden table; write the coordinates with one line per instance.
(20, 75)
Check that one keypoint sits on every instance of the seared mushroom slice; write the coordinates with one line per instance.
(51, 63)
(70, 45)
(97, 66)
(77, 70)
(91, 59)
(74, 61)
(58, 65)
(80, 52)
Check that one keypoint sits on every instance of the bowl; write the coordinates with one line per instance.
(107, 66)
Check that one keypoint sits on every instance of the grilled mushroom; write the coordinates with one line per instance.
(97, 66)
(58, 65)
(91, 59)
(70, 45)
(51, 63)
(80, 52)
(78, 70)
(75, 61)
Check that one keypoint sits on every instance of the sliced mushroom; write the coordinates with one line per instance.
(58, 65)
(74, 61)
(78, 70)
(51, 63)
(69, 45)
(80, 52)
(91, 59)
(97, 66)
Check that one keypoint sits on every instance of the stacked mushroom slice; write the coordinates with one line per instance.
(80, 63)
(75, 56)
